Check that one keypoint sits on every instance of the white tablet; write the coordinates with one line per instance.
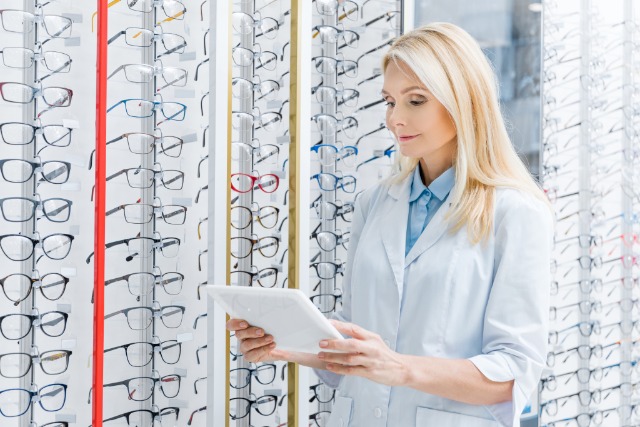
(287, 314)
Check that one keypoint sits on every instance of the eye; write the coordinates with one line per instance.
(417, 101)
(389, 103)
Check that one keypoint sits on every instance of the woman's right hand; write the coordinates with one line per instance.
(254, 344)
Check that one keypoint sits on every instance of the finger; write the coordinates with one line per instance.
(249, 333)
(352, 330)
(281, 354)
(237, 324)
(345, 345)
(259, 354)
(347, 370)
(349, 359)
(253, 343)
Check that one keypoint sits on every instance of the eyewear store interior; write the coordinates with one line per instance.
(271, 108)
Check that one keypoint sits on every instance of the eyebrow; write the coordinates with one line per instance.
(384, 92)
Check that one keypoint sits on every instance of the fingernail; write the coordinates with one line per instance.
(272, 345)
(259, 332)
(329, 366)
(269, 338)
(244, 324)
(323, 344)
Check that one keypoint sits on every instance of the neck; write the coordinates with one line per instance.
(434, 166)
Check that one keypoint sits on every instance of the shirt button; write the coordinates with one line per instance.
(377, 412)
(427, 193)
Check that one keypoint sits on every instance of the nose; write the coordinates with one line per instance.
(395, 117)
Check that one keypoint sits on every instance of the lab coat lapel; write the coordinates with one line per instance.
(431, 234)
(394, 228)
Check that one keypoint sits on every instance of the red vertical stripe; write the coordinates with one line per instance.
(100, 209)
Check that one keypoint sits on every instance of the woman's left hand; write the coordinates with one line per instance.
(366, 355)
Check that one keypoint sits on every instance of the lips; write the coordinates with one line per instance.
(405, 138)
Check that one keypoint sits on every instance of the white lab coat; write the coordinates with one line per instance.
(448, 298)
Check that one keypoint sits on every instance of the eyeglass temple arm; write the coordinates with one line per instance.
(116, 36)
(57, 70)
(93, 152)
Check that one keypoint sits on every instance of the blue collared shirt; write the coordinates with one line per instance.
(424, 202)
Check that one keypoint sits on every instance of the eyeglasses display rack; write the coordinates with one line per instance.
(38, 238)
(591, 131)
(163, 136)
(351, 148)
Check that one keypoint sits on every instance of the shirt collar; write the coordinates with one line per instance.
(440, 187)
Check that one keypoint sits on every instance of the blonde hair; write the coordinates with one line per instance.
(451, 65)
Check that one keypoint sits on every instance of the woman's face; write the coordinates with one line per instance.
(420, 123)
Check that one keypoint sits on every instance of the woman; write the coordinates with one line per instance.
(446, 291)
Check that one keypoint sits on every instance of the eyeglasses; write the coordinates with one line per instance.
(240, 407)
(140, 318)
(143, 283)
(17, 247)
(141, 108)
(19, 21)
(141, 353)
(144, 246)
(586, 329)
(585, 397)
(378, 154)
(242, 247)
(317, 392)
(243, 88)
(142, 388)
(241, 377)
(331, 34)
(328, 270)
(147, 418)
(329, 154)
(172, 8)
(20, 93)
(328, 240)
(326, 303)
(17, 365)
(261, 153)
(244, 57)
(143, 73)
(19, 171)
(330, 211)
(269, 121)
(145, 178)
(144, 143)
(320, 418)
(348, 8)
(328, 95)
(242, 216)
(331, 65)
(17, 401)
(393, 18)
(17, 326)
(266, 277)
(17, 287)
(143, 213)
(141, 37)
(22, 57)
(243, 23)
(329, 125)
(244, 183)
(331, 182)
(17, 133)
(22, 209)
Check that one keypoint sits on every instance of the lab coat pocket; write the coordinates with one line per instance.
(341, 412)
(427, 417)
